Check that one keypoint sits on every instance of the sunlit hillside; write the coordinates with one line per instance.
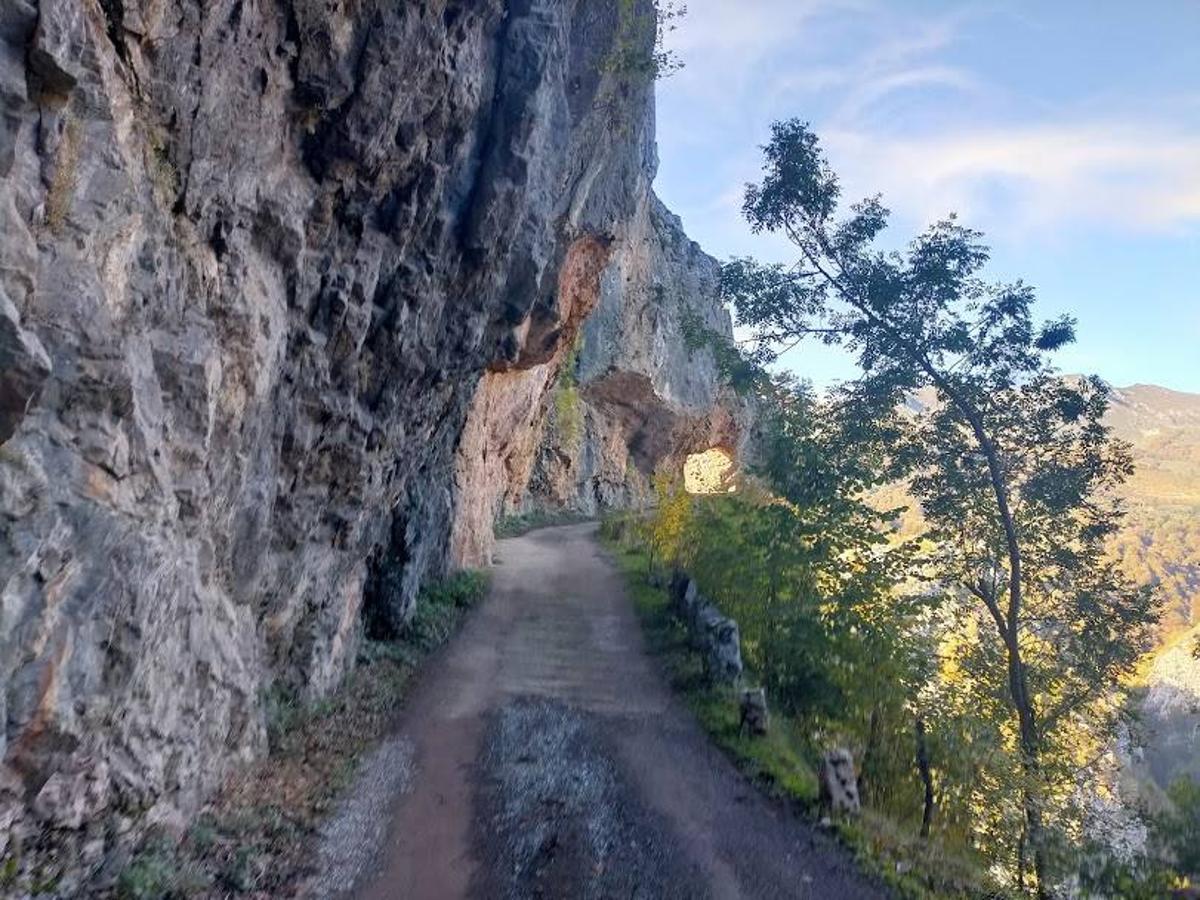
(1162, 538)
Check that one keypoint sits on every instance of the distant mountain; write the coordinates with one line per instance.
(1161, 542)
(1141, 410)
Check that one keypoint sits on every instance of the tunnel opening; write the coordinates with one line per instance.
(710, 471)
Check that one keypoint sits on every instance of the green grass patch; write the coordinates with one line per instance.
(158, 871)
(914, 868)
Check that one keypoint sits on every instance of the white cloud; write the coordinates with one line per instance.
(869, 91)
(873, 80)
(1031, 178)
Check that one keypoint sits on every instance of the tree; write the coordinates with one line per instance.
(665, 529)
(1179, 827)
(639, 49)
(1011, 463)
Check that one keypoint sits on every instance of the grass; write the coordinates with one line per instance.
(568, 416)
(163, 174)
(156, 872)
(912, 867)
(782, 763)
(254, 839)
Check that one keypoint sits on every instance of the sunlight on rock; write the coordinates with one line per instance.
(710, 472)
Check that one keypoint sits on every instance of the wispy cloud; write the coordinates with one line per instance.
(752, 29)
(1033, 178)
(865, 75)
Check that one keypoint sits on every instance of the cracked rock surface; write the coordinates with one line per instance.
(258, 259)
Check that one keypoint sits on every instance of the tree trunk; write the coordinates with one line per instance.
(866, 775)
(926, 777)
(1031, 770)
(1021, 861)
(1007, 621)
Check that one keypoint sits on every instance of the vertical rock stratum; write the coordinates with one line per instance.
(288, 291)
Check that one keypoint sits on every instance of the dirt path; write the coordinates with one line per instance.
(549, 759)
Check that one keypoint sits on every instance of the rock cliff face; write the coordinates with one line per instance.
(620, 397)
(646, 400)
(282, 284)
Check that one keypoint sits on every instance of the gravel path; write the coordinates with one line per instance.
(549, 759)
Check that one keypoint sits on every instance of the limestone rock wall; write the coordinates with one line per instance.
(254, 257)
(586, 425)
(647, 400)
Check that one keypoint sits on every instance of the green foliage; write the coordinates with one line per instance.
(8, 872)
(568, 408)
(639, 50)
(440, 606)
(1179, 828)
(777, 762)
(915, 868)
(283, 710)
(1143, 878)
(741, 371)
(665, 530)
(459, 590)
(1016, 473)
(806, 571)
(158, 872)
(568, 415)
(784, 762)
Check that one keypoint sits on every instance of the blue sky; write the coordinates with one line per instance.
(1069, 132)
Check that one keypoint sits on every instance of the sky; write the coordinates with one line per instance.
(1067, 131)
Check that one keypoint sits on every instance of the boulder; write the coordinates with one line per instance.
(721, 645)
(838, 782)
(690, 602)
(713, 635)
(701, 617)
(677, 588)
(754, 715)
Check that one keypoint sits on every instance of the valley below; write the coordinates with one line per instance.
(1160, 543)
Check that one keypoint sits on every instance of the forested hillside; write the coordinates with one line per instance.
(1161, 540)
